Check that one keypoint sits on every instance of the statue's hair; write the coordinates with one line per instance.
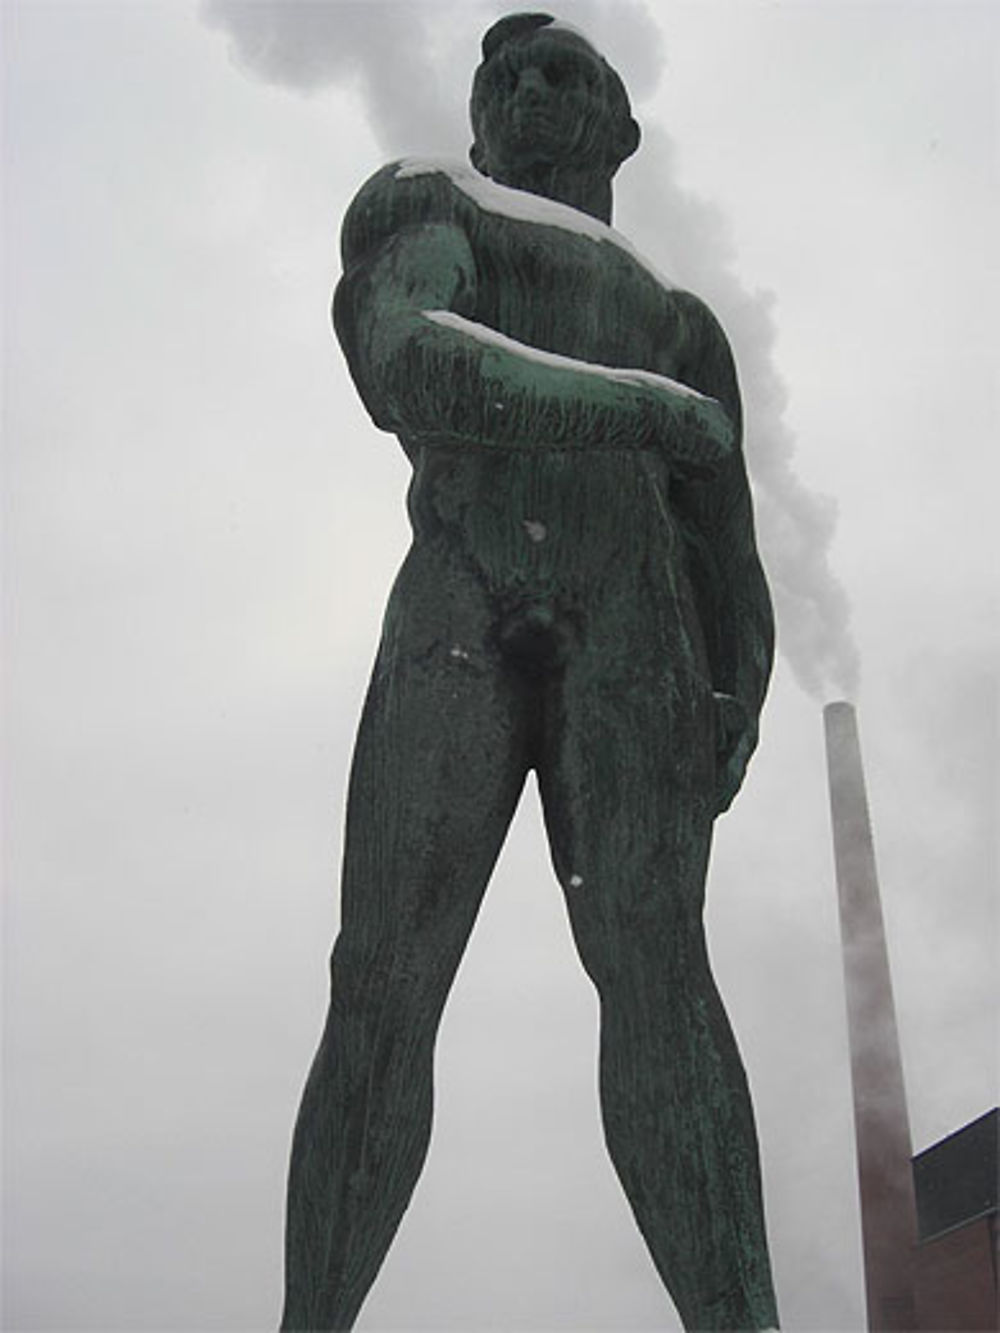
(515, 26)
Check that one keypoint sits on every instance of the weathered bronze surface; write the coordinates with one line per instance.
(582, 597)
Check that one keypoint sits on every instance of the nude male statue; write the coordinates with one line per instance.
(582, 597)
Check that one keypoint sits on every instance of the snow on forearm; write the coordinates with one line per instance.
(451, 380)
(483, 333)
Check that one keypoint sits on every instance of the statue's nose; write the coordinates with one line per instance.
(531, 84)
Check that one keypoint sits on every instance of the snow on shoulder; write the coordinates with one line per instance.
(523, 206)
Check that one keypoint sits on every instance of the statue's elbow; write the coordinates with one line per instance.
(725, 432)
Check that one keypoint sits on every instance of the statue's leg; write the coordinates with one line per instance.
(437, 772)
(626, 783)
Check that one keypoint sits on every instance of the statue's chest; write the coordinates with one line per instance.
(564, 292)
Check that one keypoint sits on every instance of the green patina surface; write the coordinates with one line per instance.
(582, 598)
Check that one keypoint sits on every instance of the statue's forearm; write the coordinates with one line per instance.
(447, 379)
(747, 638)
(728, 583)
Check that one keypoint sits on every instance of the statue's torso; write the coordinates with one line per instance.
(543, 519)
(560, 291)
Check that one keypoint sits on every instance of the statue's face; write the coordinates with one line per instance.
(543, 101)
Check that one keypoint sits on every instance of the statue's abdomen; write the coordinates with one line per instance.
(559, 521)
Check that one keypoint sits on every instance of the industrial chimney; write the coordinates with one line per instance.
(881, 1124)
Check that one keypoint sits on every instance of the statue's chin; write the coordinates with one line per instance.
(534, 140)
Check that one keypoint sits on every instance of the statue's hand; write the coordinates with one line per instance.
(718, 426)
(735, 742)
(696, 432)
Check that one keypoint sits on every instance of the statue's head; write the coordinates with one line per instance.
(544, 100)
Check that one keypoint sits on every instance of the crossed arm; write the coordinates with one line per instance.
(431, 374)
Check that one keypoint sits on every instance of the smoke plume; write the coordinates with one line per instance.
(383, 48)
(396, 53)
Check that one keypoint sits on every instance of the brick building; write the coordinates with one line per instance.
(955, 1272)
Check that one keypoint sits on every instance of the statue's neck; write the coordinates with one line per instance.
(583, 190)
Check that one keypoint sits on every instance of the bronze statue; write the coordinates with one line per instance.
(582, 597)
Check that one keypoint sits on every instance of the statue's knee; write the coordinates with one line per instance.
(651, 958)
(382, 981)
(358, 968)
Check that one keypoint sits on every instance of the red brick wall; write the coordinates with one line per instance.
(956, 1279)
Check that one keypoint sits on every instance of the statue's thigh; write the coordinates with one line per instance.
(438, 768)
(627, 782)
(630, 721)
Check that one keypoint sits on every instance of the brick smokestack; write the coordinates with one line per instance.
(881, 1124)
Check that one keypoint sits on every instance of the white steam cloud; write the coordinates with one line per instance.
(381, 46)
(398, 54)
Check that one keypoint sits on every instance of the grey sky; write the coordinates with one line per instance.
(200, 529)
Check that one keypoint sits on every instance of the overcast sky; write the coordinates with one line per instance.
(200, 528)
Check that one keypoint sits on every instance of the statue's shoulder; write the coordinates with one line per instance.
(408, 193)
(704, 336)
(695, 311)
